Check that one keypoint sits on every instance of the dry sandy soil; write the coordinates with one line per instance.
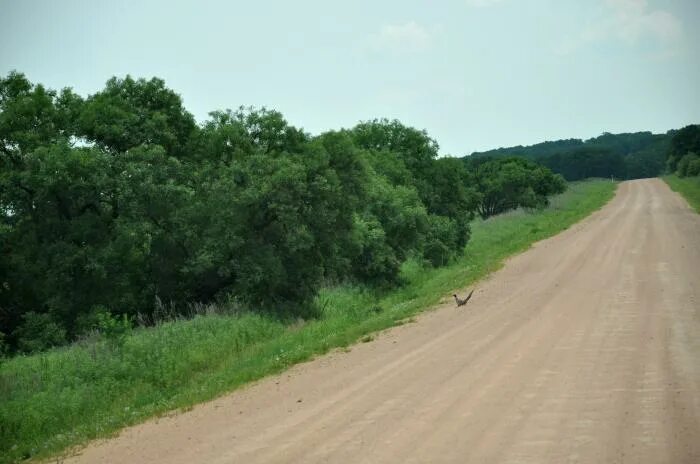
(586, 348)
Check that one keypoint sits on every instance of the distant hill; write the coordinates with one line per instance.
(625, 156)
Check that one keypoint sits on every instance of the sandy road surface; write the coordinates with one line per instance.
(584, 349)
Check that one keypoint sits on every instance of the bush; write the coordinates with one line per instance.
(4, 347)
(38, 332)
(694, 167)
(374, 262)
(114, 329)
(689, 165)
(508, 183)
(442, 243)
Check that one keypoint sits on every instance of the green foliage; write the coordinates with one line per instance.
(56, 398)
(586, 163)
(38, 332)
(273, 210)
(684, 141)
(442, 241)
(118, 200)
(55, 227)
(694, 167)
(111, 203)
(31, 116)
(406, 157)
(373, 260)
(450, 191)
(689, 187)
(508, 183)
(63, 397)
(129, 113)
(414, 147)
(4, 346)
(622, 156)
(115, 330)
(688, 166)
(270, 253)
(649, 162)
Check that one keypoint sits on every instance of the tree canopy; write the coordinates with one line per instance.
(508, 183)
(113, 204)
(684, 152)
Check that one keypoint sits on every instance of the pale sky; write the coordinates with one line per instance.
(476, 74)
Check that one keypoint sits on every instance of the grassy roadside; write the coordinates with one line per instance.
(689, 187)
(53, 400)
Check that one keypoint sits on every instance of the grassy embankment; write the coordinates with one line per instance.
(53, 400)
(689, 187)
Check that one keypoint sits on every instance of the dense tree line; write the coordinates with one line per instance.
(684, 153)
(623, 156)
(115, 201)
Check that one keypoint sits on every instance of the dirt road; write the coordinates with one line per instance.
(585, 349)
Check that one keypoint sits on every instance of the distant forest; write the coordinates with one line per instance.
(624, 156)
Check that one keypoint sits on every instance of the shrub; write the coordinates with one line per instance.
(4, 347)
(442, 241)
(689, 165)
(694, 167)
(38, 332)
(114, 329)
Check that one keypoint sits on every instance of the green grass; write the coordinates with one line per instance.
(689, 187)
(52, 401)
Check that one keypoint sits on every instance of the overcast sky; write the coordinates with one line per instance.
(476, 74)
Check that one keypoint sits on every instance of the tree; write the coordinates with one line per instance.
(689, 165)
(128, 113)
(55, 221)
(112, 203)
(407, 156)
(508, 183)
(684, 141)
(413, 147)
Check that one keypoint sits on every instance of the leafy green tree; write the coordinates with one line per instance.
(412, 148)
(444, 240)
(112, 203)
(689, 165)
(260, 244)
(229, 134)
(684, 141)
(274, 210)
(390, 165)
(128, 113)
(38, 332)
(645, 163)
(373, 260)
(31, 116)
(508, 183)
(54, 217)
(451, 200)
(350, 175)
(407, 156)
(450, 191)
(587, 162)
(694, 167)
(415, 147)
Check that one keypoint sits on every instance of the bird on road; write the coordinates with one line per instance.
(462, 302)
